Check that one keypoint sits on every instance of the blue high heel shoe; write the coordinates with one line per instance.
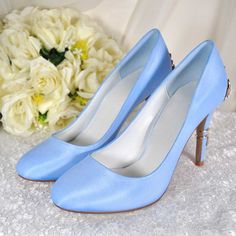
(135, 169)
(131, 82)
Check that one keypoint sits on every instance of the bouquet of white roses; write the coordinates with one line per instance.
(51, 63)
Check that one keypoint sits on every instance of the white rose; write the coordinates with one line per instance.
(1, 26)
(20, 47)
(18, 114)
(45, 77)
(16, 82)
(109, 45)
(101, 68)
(68, 69)
(103, 55)
(87, 81)
(46, 81)
(6, 72)
(61, 114)
(20, 19)
(54, 27)
(67, 73)
(87, 28)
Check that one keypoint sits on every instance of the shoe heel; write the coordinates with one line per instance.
(202, 140)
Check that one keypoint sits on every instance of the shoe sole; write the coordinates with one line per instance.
(112, 212)
(40, 181)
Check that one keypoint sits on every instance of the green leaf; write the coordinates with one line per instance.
(10, 61)
(44, 53)
(73, 95)
(42, 117)
(53, 55)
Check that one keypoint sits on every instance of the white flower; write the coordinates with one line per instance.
(45, 77)
(52, 61)
(61, 114)
(87, 28)
(46, 81)
(109, 45)
(16, 82)
(18, 114)
(1, 26)
(20, 47)
(87, 81)
(68, 69)
(5, 68)
(55, 27)
(20, 20)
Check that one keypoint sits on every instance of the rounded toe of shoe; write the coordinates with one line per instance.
(29, 167)
(24, 168)
(39, 163)
(70, 192)
(48, 160)
(78, 189)
(60, 201)
(62, 197)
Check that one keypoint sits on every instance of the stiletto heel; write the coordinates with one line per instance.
(202, 133)
(202, 140)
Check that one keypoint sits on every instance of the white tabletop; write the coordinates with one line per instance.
(199, 200)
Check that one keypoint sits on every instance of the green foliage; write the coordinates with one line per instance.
(73, 95)
(53, 55)
(42, 117)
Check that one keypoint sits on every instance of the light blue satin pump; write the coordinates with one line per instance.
(132, 81)
(135, 169)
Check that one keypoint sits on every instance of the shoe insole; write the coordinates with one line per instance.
(155, 141)
(107, 111)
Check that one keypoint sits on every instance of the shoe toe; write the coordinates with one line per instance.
(64, 194)
(47, 161)
(88, 187)
(74, 191)
(26, 169)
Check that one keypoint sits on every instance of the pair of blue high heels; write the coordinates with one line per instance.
(100, 165)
